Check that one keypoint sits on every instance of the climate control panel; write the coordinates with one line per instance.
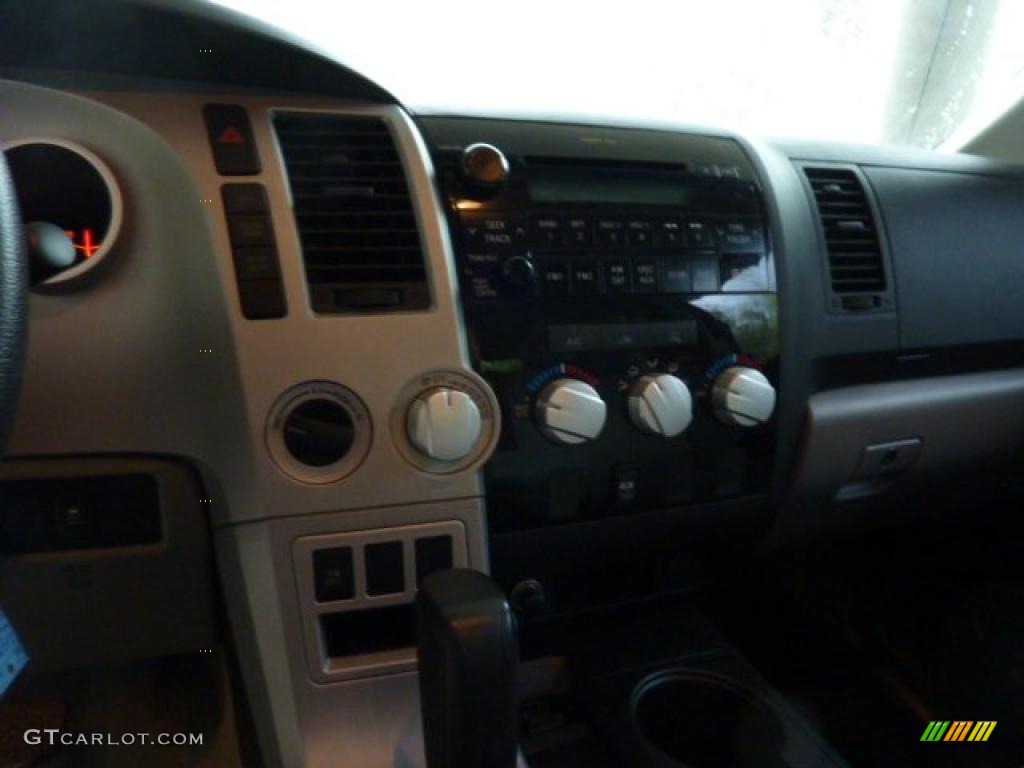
(618, 290)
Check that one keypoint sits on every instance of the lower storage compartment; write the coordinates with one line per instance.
(666, 690)
(702, 720)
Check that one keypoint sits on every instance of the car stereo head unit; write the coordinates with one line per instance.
(618, 288)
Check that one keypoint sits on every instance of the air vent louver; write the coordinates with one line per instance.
(360, 242)
(851, 236)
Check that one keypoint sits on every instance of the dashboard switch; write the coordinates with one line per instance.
(234, 151)
(660, 404)
(625, 478)
(742, 397)
(247, 229)
(244, 198)
(433, 553)
(570, 411)
(385, 568)
(333, 574)
(262, 299)
(444, 424)
(258, 263)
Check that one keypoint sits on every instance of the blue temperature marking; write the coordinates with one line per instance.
(545, 376)
(719, 366)
(12, 655)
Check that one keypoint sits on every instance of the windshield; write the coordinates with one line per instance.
(927, 73)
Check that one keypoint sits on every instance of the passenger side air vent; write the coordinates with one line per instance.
(360, 242)
(855, 260)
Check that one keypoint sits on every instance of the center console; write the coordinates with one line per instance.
(618, 290)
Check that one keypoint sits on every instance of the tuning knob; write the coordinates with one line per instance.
(660, 404)
(444, 424)
(484, 165)
(742, 397)
(570, 411)
(518, 271)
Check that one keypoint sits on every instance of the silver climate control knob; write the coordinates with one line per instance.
(443, 424)
(742, 397)
(570, 411)
(660, 404)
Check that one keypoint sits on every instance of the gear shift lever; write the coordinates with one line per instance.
(468, 653)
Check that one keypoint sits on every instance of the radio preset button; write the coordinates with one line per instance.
(546, 231)
(741, 234)
(611, 232)
(586, 281)
(670, 232)
(577, 231)
(675, 276)
(705, 275)
(645, 276)
(699, 234)
(617, 275)
(554, 275)
(742, 272)
(639, 232)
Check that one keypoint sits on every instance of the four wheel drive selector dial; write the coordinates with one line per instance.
(660, 404)
(570, 411)
(444, 424)
(445, 421)
(742, 397)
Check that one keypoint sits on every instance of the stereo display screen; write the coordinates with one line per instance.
(608, 185)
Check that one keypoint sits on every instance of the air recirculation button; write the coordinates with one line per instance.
(318, 432)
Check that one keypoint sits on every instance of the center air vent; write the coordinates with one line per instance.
(856, 264)
(360, 242)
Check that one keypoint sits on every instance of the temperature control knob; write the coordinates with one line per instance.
(485, 165)
(660, 404)
(443, 424)
(742, 397)
(570, 411)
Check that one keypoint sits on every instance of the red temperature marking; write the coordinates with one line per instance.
(87, 246)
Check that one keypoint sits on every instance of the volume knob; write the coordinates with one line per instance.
(485, 165)
(443, 424)
(570, 411)
(742, 397)
(661, 404)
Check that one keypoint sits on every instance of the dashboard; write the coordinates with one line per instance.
(559, 351)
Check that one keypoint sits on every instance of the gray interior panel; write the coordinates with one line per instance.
(958, 421)
(957, 244)
(93, 606)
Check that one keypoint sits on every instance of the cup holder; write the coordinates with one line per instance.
(701, 720)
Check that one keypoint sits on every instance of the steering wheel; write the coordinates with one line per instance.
(13, 302)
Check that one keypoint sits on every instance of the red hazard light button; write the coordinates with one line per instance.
(234, 151)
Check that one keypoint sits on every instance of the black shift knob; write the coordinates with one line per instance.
(468, 655)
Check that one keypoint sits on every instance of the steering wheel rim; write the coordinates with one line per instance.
(13, 302)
